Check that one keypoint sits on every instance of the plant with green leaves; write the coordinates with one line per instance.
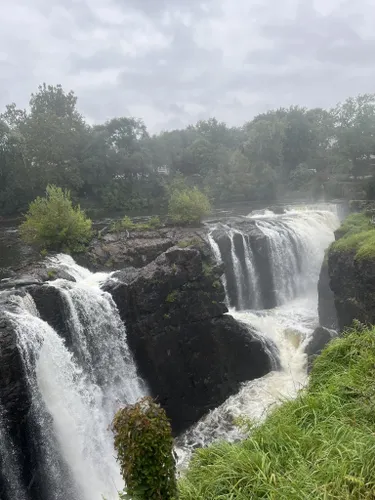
(187, 206)
(144, 445)
(52, 222)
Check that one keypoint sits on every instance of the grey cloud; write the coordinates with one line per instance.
(176, 61)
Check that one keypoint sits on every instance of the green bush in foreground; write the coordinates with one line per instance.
(144, 445)
(187, 206)
(356, 233)
(52, 222)
(319, 446)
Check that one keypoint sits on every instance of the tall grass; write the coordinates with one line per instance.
(319, 446)
(357, 233)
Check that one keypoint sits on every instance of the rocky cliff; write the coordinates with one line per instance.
(351, 274)
(191, 353)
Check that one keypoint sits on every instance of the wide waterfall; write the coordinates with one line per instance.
(75, 392)
(271, 259)
(272, 264)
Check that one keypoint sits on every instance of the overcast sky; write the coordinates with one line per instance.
(173, 62)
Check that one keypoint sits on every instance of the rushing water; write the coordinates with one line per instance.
(74, 396)
(296, 244)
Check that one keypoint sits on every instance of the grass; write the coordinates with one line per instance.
(357, 233)
(319, 446)
(126, 224)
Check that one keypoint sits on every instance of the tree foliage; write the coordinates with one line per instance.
(117, 165)
(144, 445)
(187, 206)
(52, 222)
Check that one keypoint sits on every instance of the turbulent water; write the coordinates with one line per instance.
(75, 394)
(296, 242)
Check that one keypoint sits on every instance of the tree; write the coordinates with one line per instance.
(52, 222)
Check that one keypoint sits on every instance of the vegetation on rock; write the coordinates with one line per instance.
(126, 224)
(357, 233)
(321, 445)
(144, 444)
(53, 222)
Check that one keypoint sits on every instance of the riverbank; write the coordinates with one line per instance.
(321, 445)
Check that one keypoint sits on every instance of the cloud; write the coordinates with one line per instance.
(172, 62)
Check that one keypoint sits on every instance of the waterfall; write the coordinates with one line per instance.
(285, 254)
(271, 259)
(76, 392)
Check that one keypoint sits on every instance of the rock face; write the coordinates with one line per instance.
(353, 284)
(317, 342)
(326, 299)
(136, 248)
(259, 244)
(192, 355)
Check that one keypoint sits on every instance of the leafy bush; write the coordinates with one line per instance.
(144, 444)
(319, 446)
(52, 222)
(126, 224)
(187, 206)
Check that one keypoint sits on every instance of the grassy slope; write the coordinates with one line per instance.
(356, 233)
(319, 446)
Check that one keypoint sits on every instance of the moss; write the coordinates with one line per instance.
(193, 242)
(216, 284)
(319, 446)
(207, 269)
(357, 233)
(171, 297)
(51, 273)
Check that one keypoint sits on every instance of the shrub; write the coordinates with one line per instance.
(52, 222)
(144, 444)
(187, 206)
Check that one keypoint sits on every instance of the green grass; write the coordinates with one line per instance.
(126, 224)
(357, 233)
(319, 446)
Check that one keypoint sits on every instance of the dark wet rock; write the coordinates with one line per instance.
(259, 245)
(192, 355)
(317, 342)
(326, 299)
(52, 309)
(13, 389)
(353, 284)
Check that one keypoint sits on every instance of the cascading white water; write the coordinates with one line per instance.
(10, 474)
(305, 234)
(80, 391)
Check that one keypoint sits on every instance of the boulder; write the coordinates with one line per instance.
(116, 250)
(190, 352)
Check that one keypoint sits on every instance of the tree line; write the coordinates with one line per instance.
(118, 165)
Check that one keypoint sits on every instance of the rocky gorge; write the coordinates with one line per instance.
(148, 314)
